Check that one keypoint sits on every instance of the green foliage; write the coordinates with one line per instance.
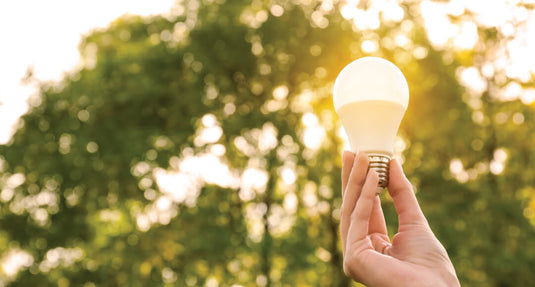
(90, 209)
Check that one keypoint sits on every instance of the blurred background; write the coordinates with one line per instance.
(194, 142)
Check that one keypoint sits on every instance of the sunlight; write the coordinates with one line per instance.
(193, 172)
(254, 213)
(472, 79)
(15, 260)
(497, 164)
(280, 92)
(458, 171)
(280, 220)
(314, 133)
(276, 10)
(528, 96)
(467, 37)
(253, 181)
(60, 257)
(266, 138)
(44, 42)
(183, 181)
(369, 46)
(367, 19)
(513, 21)
(520, 49)
(370, 18)
(210, 132)
(176, 185)
(491, 13)
(438, 26)
(288, 175)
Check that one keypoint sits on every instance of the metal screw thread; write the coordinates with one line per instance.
(380, 163)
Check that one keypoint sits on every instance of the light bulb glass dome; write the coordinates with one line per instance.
(370, 78)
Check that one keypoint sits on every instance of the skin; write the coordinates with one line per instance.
(414, 256)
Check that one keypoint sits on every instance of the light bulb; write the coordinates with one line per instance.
(371, 96)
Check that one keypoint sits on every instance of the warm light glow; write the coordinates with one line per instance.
(371, 111)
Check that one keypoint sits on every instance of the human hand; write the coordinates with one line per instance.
(414, 257)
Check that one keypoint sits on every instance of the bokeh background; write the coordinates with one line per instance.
(197, 145)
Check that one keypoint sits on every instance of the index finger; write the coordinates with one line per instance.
(354, 184)
(347, 163)
(360, 218)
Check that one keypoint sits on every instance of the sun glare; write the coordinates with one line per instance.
(44, 35)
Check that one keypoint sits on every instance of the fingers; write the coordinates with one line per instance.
(364, 262)
(359, 227)
(402, 193)
(347, 163)
(377, 221)
(381, 243)
(375, 269)
(354, 185)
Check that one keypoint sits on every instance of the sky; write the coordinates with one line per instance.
(45, 35)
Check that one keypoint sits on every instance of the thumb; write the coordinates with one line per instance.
(402, 193)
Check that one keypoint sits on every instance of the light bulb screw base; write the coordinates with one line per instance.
(380, 163)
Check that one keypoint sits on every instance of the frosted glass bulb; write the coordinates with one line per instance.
(371, 96)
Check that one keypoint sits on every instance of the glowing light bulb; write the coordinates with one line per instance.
(371, 96)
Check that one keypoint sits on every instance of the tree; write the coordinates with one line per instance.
(100, 185)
